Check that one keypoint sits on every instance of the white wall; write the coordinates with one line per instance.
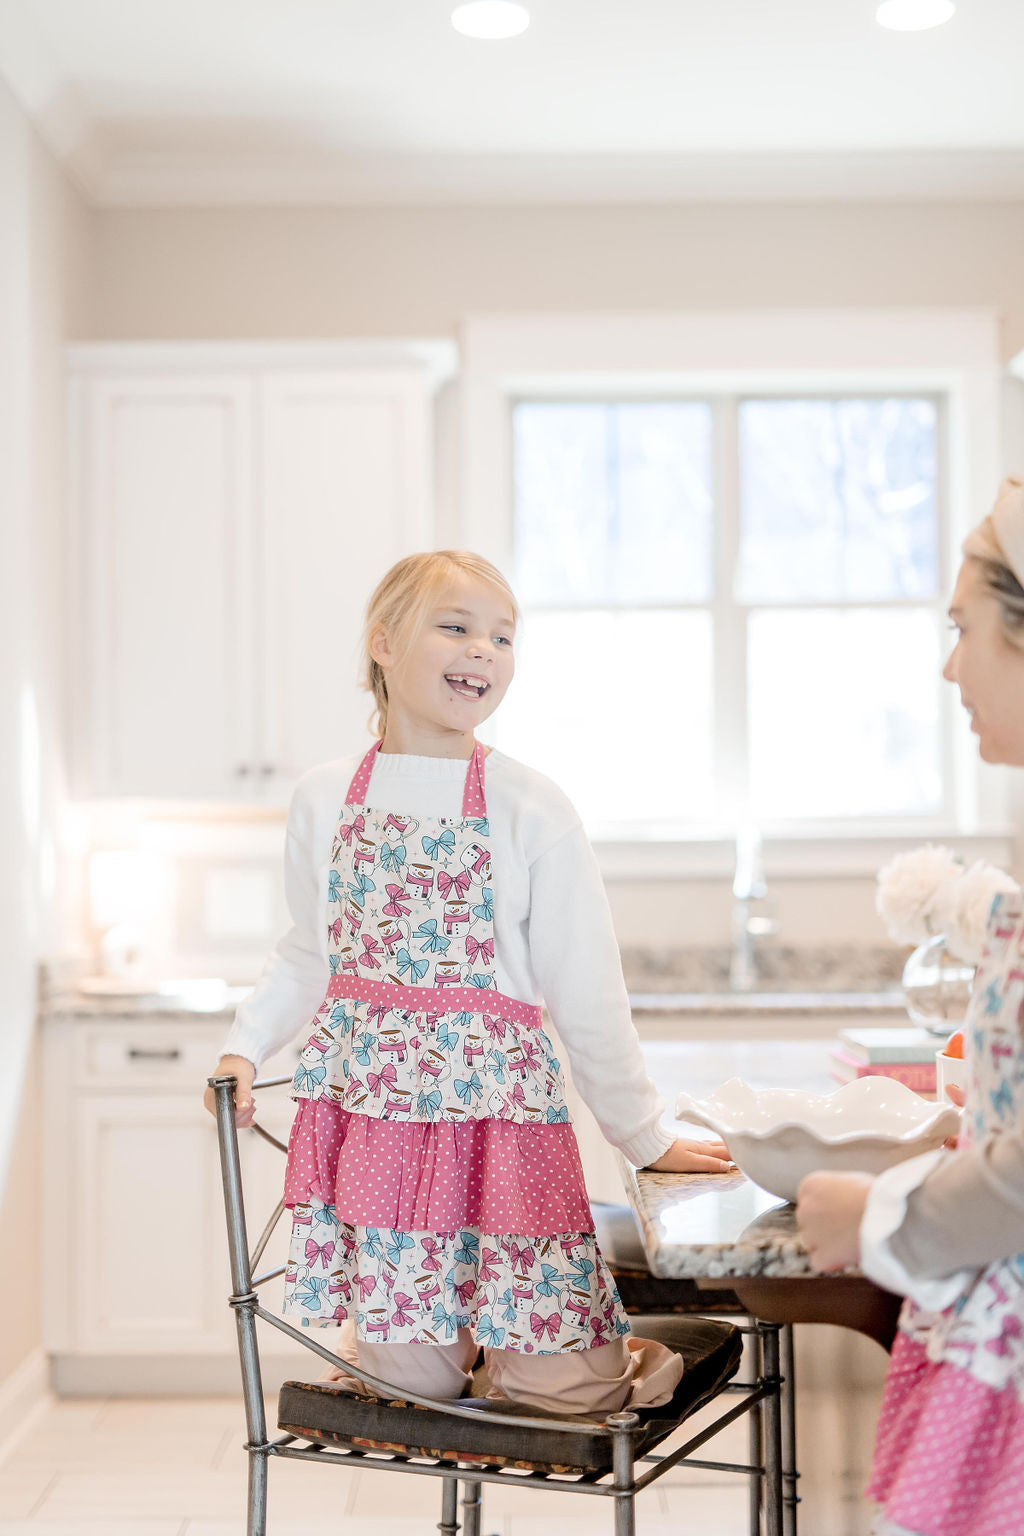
(42, 262)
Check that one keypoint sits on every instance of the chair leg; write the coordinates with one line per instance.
(755, 1438)
(449, 1525)
(790, 1497)
(472, 1508)
(772, 1433)
(256, 1520)
(625, 1425)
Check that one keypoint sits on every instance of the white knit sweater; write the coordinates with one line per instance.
(554, 939)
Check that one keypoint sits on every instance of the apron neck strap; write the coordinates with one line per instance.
(474, 802)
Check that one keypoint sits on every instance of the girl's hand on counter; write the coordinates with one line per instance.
(695, 1157)
(245, 1104)
(829, 1208)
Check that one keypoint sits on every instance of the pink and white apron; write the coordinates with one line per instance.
(949, 1458)
(433, 1175)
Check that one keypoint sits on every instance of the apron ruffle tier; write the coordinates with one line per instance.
(949, 1456)
(495, 1174)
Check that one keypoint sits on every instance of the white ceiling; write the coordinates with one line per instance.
(171, 101)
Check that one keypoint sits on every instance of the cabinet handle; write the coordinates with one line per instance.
(242, 771)
(267, 770)
(169, 1053)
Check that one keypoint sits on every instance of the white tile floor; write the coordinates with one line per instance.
(175, 1467)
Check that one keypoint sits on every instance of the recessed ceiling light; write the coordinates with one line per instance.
(490, 19)
(913, 15)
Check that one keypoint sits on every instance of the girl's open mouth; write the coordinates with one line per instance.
(466, 685)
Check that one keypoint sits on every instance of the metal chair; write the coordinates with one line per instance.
(473, 1440)
(646, 1295)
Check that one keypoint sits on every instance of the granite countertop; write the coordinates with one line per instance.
(210, 1000)
(718, 1225)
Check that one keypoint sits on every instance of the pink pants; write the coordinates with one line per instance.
(628, 1372)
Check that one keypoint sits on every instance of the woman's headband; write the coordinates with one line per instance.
(1001, 535)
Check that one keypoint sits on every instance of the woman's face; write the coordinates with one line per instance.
(458, 668)
(987, 668)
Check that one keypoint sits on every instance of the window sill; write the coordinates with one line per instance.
(832, 855)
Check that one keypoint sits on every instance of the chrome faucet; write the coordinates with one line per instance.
(748, 925)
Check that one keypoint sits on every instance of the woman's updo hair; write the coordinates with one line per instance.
(998, 545)
(401, 602)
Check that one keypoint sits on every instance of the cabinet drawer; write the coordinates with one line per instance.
(147, 1054)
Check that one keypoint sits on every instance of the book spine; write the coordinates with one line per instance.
(918, 1075)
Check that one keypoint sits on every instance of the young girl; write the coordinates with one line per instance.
(439, 893)
(947, 1230)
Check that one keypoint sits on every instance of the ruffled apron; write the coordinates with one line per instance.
(433, 1174)
(949, 1458)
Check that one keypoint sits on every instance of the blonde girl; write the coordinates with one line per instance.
(440, 893)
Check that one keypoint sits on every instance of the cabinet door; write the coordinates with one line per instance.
(148, 1268)
(165, 701)
(347, 489)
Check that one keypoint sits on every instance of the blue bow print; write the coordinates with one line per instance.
(335, 963)
(324, 1215)
(334, 886)
(547, 1286)
(435, 943)
(447, 1039)
(468, 1250)
(461, 1020)
(428, 1104)
(497, 1060)
(405, 962)
(508, 1305)
(466, 1087)
(397, 1243)
(488, 1333)
(580, 1273)
(359, 887)
(486, 908)
(392, 856)
(363, 1047)
(439, 847)
(309, 1077)
(450, 1320)
(480, 824)
(557, 1116)
(371, 1244)
(481, 981)
(314, 1288)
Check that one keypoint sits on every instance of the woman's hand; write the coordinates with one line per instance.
(695, 1157)
(829, 1208)
(245, 1105)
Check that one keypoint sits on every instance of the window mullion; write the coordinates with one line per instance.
(728, 623)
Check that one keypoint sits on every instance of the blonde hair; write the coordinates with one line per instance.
(401, 602)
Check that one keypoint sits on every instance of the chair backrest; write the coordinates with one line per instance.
(245, 1286)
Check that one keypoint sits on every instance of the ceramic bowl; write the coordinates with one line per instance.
(777, 1135)
(948, 1069)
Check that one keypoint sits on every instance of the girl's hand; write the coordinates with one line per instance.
(957, 1095)
(695, 1157)
(245, 1105)
(829, 1208)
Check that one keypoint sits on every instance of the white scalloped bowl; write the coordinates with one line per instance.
(777, 1135)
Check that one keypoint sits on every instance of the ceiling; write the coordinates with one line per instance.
(182, 101)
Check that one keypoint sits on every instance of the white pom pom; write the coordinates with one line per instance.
(915, 891)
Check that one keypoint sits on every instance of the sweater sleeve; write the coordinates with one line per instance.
(294, 979)
(968, 1212)
(575, 959)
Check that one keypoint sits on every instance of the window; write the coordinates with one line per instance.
(745, 594)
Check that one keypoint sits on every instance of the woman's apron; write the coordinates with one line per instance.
(433, 1175)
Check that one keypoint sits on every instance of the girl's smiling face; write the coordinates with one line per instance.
(456, 669)
(988, 668)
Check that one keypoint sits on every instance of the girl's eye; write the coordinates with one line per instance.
(503, 639)
(457, 627)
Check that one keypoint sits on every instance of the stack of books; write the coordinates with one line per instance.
(908, 1055)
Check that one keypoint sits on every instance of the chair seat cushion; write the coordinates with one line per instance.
(325, 1413)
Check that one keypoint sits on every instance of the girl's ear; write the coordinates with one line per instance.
(379, 648)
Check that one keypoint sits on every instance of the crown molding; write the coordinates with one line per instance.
(52, 102)
(180, 177)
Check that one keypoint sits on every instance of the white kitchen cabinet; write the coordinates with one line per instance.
(232, 510)
(136, 1267)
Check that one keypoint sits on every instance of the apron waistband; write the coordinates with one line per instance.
(436, 999)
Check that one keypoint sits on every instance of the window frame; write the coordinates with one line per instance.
(951, 357)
